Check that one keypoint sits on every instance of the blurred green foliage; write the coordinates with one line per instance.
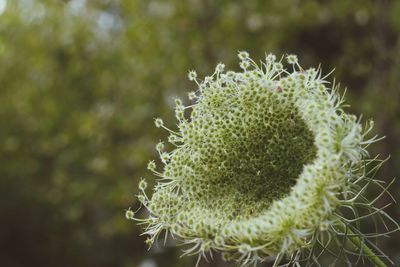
(80, 83)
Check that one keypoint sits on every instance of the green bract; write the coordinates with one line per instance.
(262, 165)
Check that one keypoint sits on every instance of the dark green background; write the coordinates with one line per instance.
(80, 83)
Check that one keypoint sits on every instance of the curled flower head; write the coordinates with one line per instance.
(263, 166)
(292, 59)
(129, 214)
(192, 75)
(158, 122)
(243, 55)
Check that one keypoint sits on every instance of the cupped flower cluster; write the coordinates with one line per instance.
(264, 159)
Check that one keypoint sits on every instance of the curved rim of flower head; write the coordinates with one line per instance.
(342, 153)
(320, 180)
(341, 145)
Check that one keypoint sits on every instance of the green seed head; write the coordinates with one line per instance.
(261, 166)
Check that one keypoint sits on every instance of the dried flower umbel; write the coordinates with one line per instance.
(264, 166)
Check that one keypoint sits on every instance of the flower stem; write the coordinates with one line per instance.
(356, 241)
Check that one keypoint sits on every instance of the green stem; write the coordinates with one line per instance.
(356, 241)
